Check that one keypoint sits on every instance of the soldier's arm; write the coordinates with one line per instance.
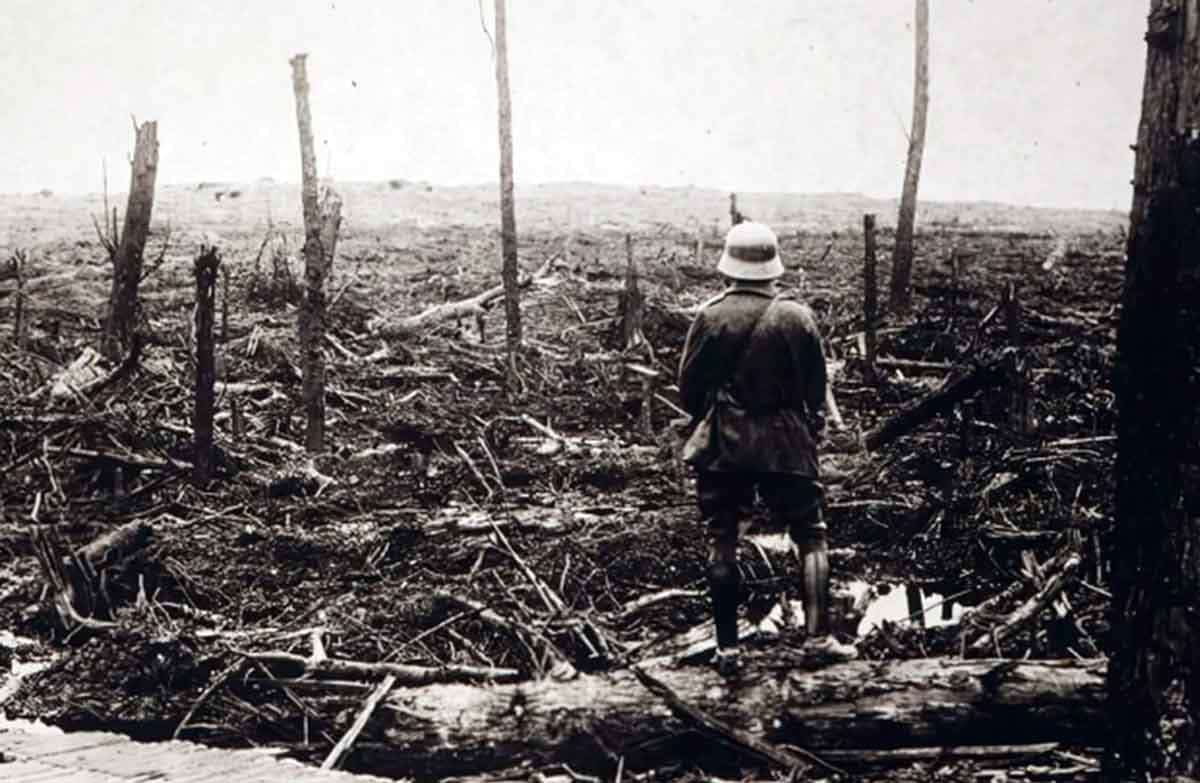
(693, 388)
(808, 359)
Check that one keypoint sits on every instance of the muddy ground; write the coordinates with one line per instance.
(441, 486)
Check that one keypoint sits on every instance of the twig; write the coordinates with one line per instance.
(331, 761)
(216, 683)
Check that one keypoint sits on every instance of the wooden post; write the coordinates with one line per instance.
(735, 217)
(224, 305)
(1154, 671)
(508, 220)
(1020, 403)
(900, 299)
(18, 263)
(120, 329)
(321, 223)
(207, 267)
(631, 300)
(870, 296)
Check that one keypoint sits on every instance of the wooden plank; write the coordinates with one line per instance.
(41, 756)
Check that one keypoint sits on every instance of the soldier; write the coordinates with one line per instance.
(753, 378)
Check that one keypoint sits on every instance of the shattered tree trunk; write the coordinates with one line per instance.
(870, 295)
(78, 578)
(1154, 682)
(900, 299)
(940, 401)
(508, 218)
(630, 305)
(207, 265)
(321, 223)
(120, 328)
(445, 730)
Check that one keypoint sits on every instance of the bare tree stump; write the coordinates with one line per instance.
(870, 295)
(206, 269)
(128, 249)
(630, 306)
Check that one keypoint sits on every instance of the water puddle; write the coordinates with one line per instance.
(909, 605)
(859, 607)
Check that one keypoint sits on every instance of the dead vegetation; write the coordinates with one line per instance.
(452, 535)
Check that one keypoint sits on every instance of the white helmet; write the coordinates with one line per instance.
(751, 253)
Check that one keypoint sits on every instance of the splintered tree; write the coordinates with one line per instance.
(1154, 672)
(508, 219)
(127, 249)
(321, 223)
(206, 267)
(900, 295)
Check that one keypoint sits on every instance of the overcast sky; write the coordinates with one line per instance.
(1032, 101)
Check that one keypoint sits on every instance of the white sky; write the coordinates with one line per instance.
(1032, 101)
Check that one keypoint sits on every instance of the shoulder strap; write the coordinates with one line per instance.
(746, 341)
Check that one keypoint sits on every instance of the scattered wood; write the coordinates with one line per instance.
(448, 311)
(938, 754)
(940, 401)
(1030, 609)
(78, 578)
(284, 664)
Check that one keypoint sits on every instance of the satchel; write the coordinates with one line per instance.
(702, 442)
(701, 445)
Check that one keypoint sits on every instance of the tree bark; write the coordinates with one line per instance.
(508, 219)
(870, 295)
(900, 299)
(206, 268)
(321, 224)
(442, 730)
(120, 332)
(1154, 680)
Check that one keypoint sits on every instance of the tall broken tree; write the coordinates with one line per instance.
(1154, 676)
(321, 223)
(508, 219)
(900, 295)
(127, 249)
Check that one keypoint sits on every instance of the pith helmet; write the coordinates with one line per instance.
(751, 253)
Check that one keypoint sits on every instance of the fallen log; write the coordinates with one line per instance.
(938, 402)
(447, 311)
(592, 720)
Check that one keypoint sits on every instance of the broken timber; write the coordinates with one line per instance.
(447, 311)
(938, 402)
(442, 730)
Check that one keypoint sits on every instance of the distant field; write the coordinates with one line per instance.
(392, 211)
